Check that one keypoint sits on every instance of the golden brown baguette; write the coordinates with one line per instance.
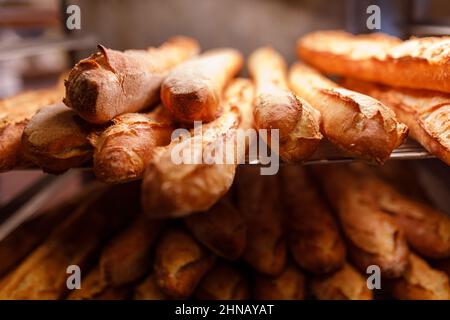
(223, 282)
(110, 82)
(426, 113)
(172, 189)
(421, 63)
(359, 124)
(427, 229)
(222, 229)
(313, 236)
(20, 242)
(93, 287)
(148, 290)
(289, 285)
(193, 90)
(126, 258)
(56, 140)
(276, 107)
(344, 284)
(258, 200)
(180, 263)
(15, 112)
(123, 150)
(374, 237)
(420, 282)
(42, 275)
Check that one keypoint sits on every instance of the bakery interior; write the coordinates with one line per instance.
(216, 232)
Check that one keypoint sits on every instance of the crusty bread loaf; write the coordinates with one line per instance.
(421, 282)
(374, 237)
(193, 90)
(344, 284)
(172, 189)
(123, 150)
(126, 258)
(110, 82)
(147, 289)
(94, 287)
(42, 274)
(180, 263)
(426, 113)
(222, 229)
(276, 107)
(313, 236)
(289, 285)
(357, 123)
(421, 63)
(56, 139)
(223, 282)
(259, 201)
(15, 112)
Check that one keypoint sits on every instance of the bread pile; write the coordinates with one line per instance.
(297, 235)
(324, 227)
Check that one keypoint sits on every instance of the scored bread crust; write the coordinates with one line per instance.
(15, 113)
(357, 123)
(426, 113)
(55, 139)
(110, 82)
(276, 107)
(192, 91)
(422, 63)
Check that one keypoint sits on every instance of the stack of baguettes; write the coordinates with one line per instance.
(298, 235)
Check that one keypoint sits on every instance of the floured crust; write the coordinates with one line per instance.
(359, 124)
(15, 112)
(426, 113)
(421, 282)
(276, 107)
(172, 189)
(192, 90)
(345, 284)
(123, 150)
(422, 63)
(56, 139)
(110, 82)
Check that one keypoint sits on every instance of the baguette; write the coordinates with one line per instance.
(258, 200)
(426, 113)
(314, 239)
(289, 285)
(421, 282)
(223, 282)
(192, 91)
(93, 287)
(344, 284)
(56, 140)
(360, 125)
(110, 82)
(15, 112)
(170, 189)
(126, 258)
(276, 107)
(374, 237)
(427, 229)
(42, 275)
(421, 63)
(123, 150)
(148, 290)
(180, 263)
(221, 229)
